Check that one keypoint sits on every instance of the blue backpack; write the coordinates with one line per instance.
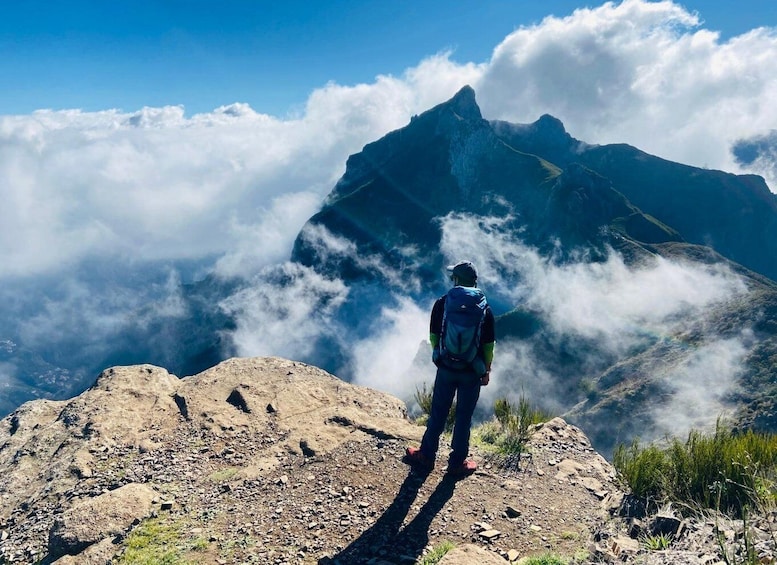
(462, 322)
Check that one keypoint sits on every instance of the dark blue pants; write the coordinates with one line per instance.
(465, 386)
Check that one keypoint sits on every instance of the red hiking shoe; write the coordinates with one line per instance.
(466, 468)
(414, 457)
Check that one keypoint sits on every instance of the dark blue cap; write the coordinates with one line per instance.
(464, 271)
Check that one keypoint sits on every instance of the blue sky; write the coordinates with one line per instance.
(96, 55)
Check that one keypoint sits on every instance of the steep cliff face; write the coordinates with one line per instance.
(450, 160)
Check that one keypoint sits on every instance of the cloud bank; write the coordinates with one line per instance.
(644, 73)
(623, 310)
(285, 311)
(712, 368)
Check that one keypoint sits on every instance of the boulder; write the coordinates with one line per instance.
(469, 554)
(105, 516)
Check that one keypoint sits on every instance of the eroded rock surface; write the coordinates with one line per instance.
(104, 516)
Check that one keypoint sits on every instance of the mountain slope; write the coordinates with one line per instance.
(450, 160)
(263, 450)
(268, 460)
(734, 214)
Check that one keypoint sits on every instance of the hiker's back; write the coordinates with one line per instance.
(463, 316)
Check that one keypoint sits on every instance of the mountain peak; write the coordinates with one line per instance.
(464, 104)
(547, 137)
(550, 126)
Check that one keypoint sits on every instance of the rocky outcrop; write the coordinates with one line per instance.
(62, 463)
(468, 554)
(272, 461)
(102, 517)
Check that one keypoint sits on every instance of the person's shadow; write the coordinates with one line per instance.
(384, 538)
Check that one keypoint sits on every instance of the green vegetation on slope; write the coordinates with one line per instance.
(728, 471)
(508, 432)
(154, 542)
(505, 435)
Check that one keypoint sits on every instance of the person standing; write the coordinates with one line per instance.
(461, 332)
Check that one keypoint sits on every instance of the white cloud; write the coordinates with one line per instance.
(617, 305)
(700, 388)
(84, 315)
(644, 73)
(517, 374)
(607, 300)
(285, 311)
(7, 372)
(264, 239)
(330, 247)
(156, 185)
(384, 359)
(622, 309)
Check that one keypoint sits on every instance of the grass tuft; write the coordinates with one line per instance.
(508, 433)
(545, 559)
(154, 542)
(657, 542)
(223, 475)
(726, 471)
(436, 554)
(423, 397)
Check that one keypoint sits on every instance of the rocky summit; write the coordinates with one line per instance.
(267, 460)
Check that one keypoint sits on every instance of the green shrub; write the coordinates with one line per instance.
(489, 432)
(643, 469)
(423, 397)
(509, 431)
(740, 465)
(726, 471)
